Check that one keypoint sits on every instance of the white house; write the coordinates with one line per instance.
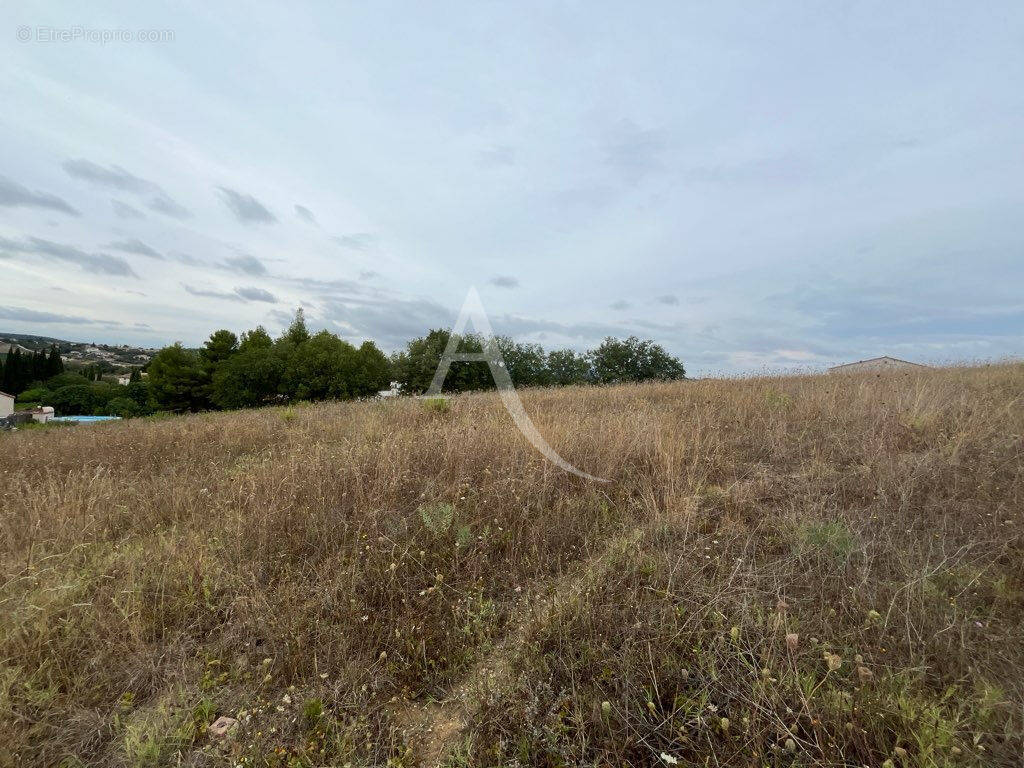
(42, 414)
(124, 379)
(6, 405)
(876, 365)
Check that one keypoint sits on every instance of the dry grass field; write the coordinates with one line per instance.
(780, 571)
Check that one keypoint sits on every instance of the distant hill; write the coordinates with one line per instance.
(77, 351)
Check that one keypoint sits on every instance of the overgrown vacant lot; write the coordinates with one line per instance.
(798, 571)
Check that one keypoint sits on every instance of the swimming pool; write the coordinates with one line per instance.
(86, 419)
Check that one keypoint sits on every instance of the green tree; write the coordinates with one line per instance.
(414, 367)
(297, 332)
(74, 400)
(177, 381)
(217, 350)
(135, 376)
(65, 380)
(317, 369)
(256, 338)
(38, 366)
(249, 378)
(54, 363)
(39, 395)
(138, 391)
(372, 371)
(219, 347)
(567, 367)
(103, 392)
(526, 363)
(14, 378)
(634, 360)
(125, 407)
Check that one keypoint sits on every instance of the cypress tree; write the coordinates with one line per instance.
(38, 366)
(54, 364)
(13, 373)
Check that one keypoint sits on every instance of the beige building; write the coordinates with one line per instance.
(6, 405)
(877, 365)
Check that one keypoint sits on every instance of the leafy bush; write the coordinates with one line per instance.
(74, 400)
(65, 380)
(124, 407)
(39, 395)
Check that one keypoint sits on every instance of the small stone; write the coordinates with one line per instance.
(222, 726)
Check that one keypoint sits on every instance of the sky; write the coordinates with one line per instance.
(755, 186)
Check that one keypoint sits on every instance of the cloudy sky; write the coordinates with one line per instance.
(752, 185)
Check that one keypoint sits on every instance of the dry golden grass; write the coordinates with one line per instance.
(300, 569)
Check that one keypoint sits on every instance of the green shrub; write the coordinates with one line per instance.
(74, 400)
(437, 516)
(124, 407)
(438, 405)
(35, 396)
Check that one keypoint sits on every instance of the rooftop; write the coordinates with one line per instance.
(875, 360)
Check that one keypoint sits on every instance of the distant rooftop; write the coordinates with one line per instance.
(883, 361)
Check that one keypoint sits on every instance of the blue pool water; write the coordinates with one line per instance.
(86, 418)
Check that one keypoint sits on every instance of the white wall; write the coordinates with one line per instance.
(6, 406)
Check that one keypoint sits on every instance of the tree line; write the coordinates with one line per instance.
(239, 372)
(19, 371)
(254, 369)
(614, 361)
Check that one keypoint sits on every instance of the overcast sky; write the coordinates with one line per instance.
(752, 185)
